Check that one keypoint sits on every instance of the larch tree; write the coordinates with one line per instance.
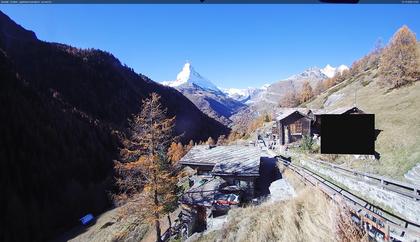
(267, 117)
(176, 151)
(222, 140)
(210, 141)
(147, 177)
(399, 63)
(290, 99)
(319, 88)
(306, 92)
(190, 145)
(374, 56)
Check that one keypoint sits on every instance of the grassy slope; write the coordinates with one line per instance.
(397, 113)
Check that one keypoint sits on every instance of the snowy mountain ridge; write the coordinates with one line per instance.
(224, 103)
(243, 94)
(188, 75)
(330, 71)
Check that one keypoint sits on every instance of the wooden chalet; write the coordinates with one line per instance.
(315, 115)
(237, 165)
(292, 125)
(219, 169)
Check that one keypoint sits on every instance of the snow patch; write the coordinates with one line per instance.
(342, 68)
(328, 71)
(236, 91)
(243, 94)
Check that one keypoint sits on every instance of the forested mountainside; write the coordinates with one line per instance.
(56, 163)
(63, 111)
(386, 83)
(96, 83)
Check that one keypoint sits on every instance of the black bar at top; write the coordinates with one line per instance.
(210, 1)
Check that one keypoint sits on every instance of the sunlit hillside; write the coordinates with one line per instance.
(310, 216)
(397, 114)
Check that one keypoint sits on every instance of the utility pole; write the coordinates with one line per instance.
(355, 95)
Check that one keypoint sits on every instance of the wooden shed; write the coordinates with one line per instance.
(315, 115)
(293, 125)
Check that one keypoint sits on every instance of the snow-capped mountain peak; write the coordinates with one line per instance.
(243, 94)
(342, 68)
(189, 76)
(235, 92)
(330, 71)
(265, 86)
(310, 73)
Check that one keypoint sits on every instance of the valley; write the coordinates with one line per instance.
(227, 105)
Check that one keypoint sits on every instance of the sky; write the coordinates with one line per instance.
(231, 45)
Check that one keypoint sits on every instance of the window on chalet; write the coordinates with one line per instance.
(296, 128)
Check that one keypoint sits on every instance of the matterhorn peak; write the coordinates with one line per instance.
(188, 75)
(185, 73)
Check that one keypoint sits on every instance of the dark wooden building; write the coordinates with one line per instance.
(237, 165)
(315, 115)
(292, 126)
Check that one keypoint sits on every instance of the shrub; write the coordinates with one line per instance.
(307, 143)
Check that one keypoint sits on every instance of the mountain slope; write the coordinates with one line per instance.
(96, 83)
(63, 111)
(55, 161)
(396, 114)
(205, 95)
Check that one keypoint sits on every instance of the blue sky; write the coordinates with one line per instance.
(231, 45)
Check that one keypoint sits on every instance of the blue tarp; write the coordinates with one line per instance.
(87, 219)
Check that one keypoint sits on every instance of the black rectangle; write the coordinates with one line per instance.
(348, 134)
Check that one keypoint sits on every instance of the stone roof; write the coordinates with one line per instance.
(227, 160)
(318, 111)
(286, 112)
(203, 191)
(344, 110)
